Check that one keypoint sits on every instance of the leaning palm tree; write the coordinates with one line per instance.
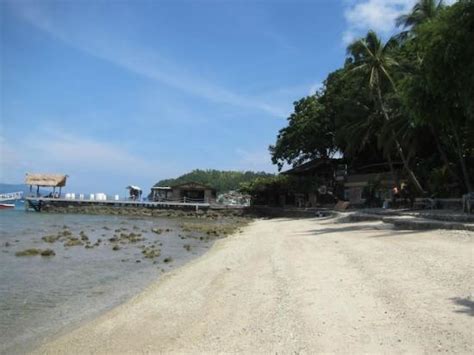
(421, 12)
(373, 57)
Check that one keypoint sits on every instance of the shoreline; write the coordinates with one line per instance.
(90, 318)
(78, 292)
(299, 285)
(41, 346)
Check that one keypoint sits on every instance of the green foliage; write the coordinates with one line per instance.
(347, 98)
(280, 184)
(422, 11)
(439, 91)
(410, 99)
(262, 183)
(309, 134)
(222, 181)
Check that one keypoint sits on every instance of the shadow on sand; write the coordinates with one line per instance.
(351, 228)
(386, 230)
(467, 303)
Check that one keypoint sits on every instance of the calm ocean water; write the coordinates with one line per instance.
(43, 296)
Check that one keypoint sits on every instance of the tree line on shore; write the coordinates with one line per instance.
(220, 180)
(407, 101)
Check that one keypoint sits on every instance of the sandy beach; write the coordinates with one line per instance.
(308, 285)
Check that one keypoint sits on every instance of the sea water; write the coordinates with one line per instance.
(41, 297)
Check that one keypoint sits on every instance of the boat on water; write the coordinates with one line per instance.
(4, 206)
(7, 201)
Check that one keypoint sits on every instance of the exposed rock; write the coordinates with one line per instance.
(48, 252)
(71, 242)
(28, 252)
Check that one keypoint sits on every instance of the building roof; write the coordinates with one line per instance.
(311, 166)
(53, 180)
(161, 188)
(192, 185)
(133, 187)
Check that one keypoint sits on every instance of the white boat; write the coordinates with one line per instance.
(6, 199)
(6, 205)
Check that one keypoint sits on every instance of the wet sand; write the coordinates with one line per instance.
(287, 285)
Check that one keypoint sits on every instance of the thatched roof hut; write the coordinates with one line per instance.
(50, 180)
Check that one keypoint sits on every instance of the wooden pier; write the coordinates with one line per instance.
(39, 203)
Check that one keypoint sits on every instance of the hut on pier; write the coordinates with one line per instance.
(184, 192)
(161, 193)
(46, 180)
(193, 192)
(135, 193)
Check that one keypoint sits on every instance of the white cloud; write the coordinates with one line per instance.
(348, 37)
(377, 15)
(142, 61)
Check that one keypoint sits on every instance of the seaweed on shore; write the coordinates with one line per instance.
(48, 252)
(213, 231)
(151, 252)
(28, 252)
(51, 238)
(73, 241)
(34, 252)
(83, 236)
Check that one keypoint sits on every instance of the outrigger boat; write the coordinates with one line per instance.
(9, 197)
(6, 205)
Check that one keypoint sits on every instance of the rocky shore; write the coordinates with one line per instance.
(146, 212)
(147, 240)
(59, 269)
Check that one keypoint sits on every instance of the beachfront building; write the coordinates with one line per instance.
(316, 182)
(193, 192)
(184, 192)
(305, 186)
(161, 193)
(372, 184)
(325, 181)
(46, 180)
(367, 188)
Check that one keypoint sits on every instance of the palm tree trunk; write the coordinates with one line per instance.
(442, 154)
(410, 172)
(392, 171)
(462, 161)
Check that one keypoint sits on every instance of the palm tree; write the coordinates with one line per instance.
(422, 11)
(373, 57)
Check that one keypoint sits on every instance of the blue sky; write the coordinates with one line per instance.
(129, 92)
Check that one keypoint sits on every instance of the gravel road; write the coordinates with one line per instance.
(301, 286)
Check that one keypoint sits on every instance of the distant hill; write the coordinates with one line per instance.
(222, 181)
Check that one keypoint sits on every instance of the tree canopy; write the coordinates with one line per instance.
(409, 99)
(222, 181)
